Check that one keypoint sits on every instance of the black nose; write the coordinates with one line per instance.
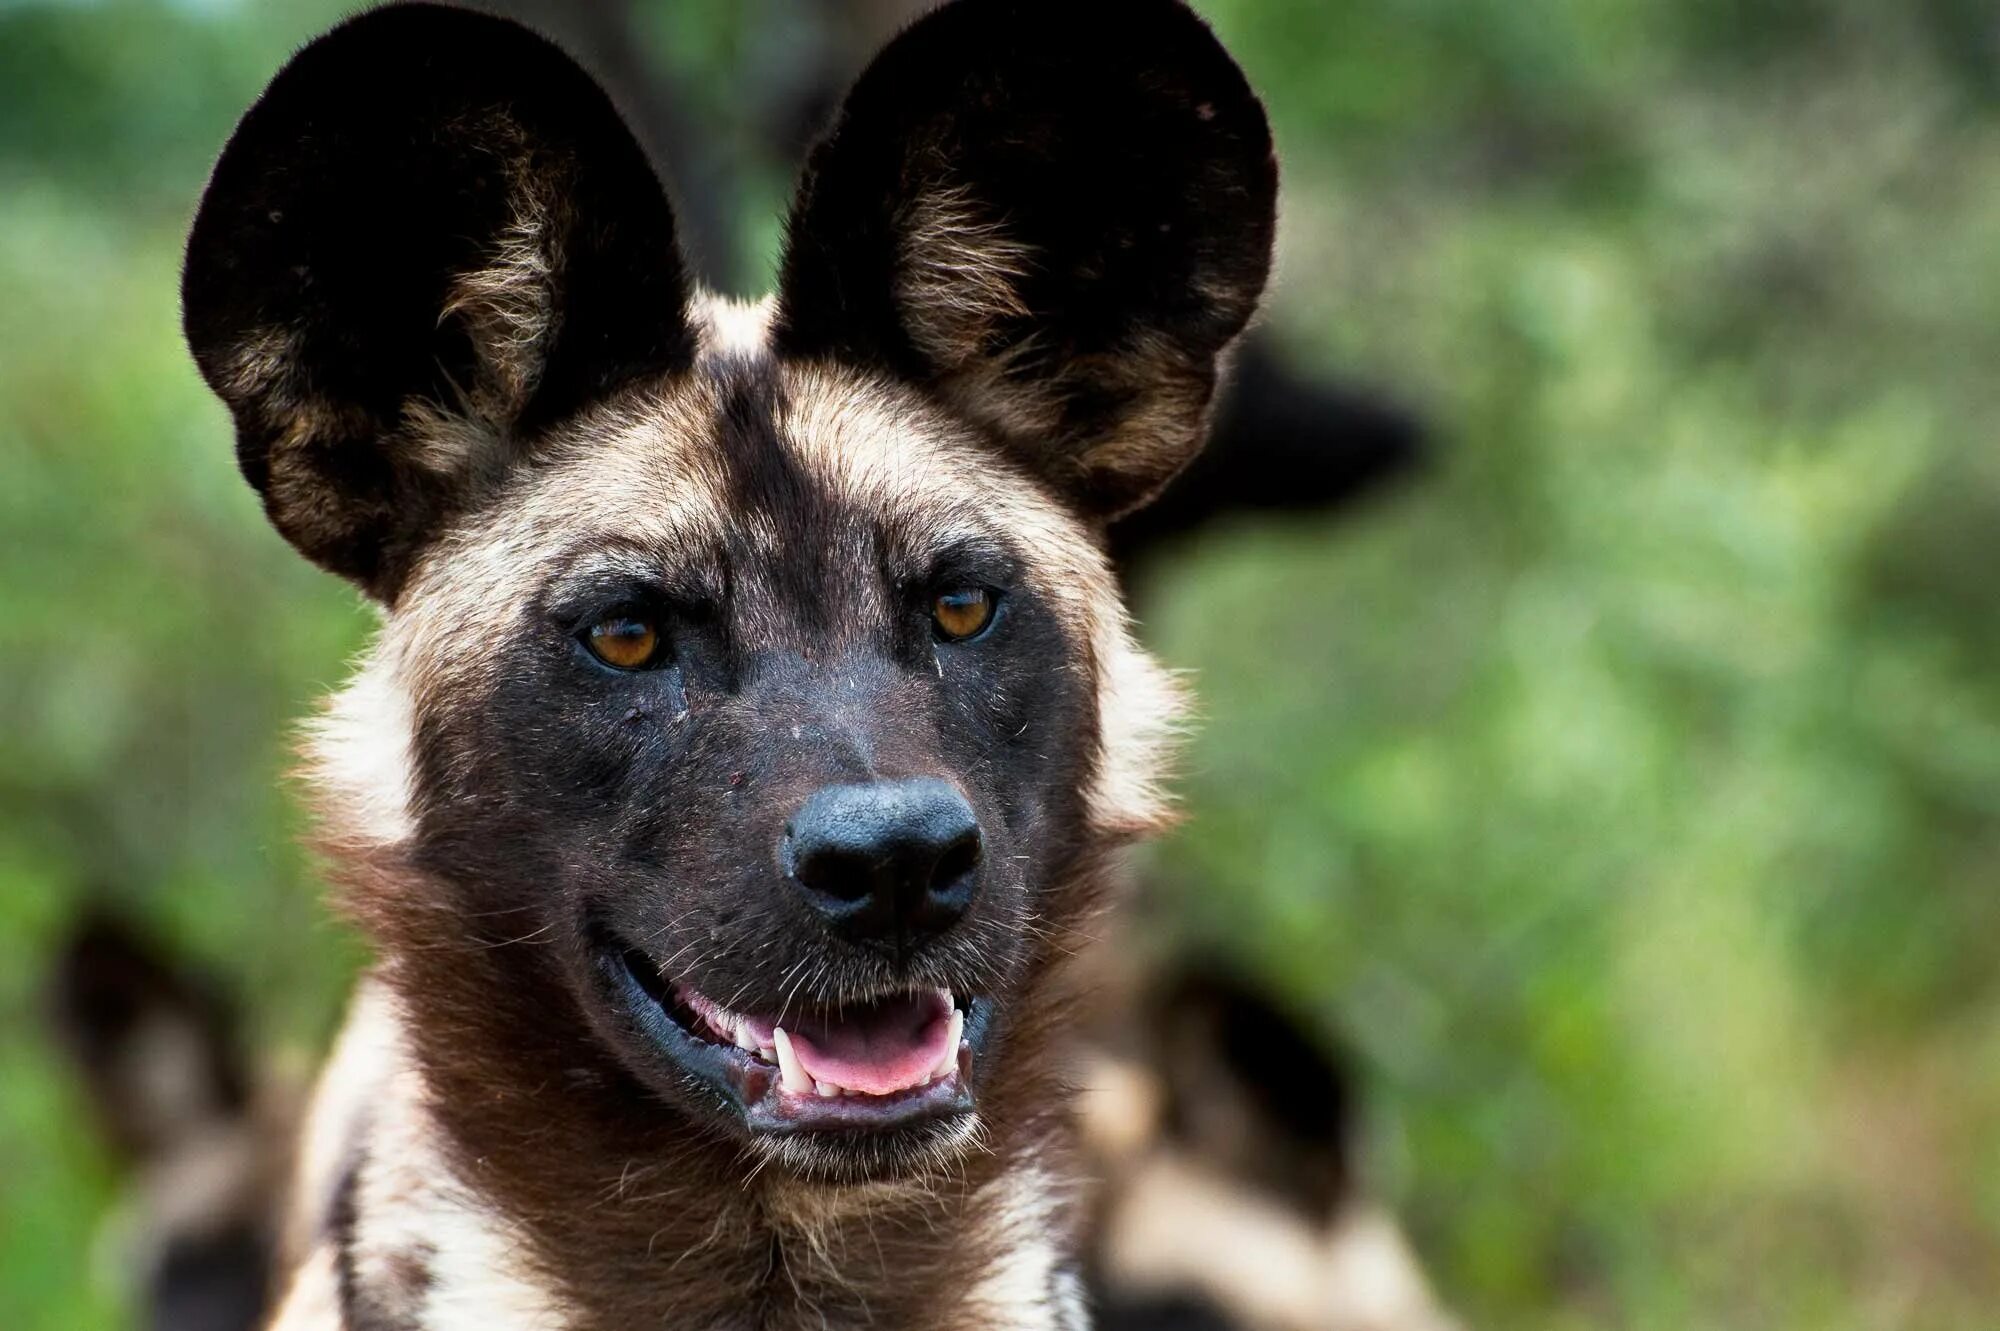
(888, 861)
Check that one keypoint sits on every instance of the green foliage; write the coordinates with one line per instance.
(157, 642)
(1624, 792)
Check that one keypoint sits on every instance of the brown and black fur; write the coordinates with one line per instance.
(435, 281)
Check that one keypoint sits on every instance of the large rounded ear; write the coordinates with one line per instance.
(431, 237)
(1056, 214)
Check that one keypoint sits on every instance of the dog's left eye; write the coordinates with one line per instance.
(623, 640)
(962, 613)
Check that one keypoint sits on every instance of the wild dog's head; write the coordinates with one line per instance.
(760, 664)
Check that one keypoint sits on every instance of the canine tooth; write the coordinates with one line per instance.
(791, 1074)
(827, 1090)
(948, 1062)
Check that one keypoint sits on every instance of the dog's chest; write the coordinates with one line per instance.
(396, 1239)
(430, 1259)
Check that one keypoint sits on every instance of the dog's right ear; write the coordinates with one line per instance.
(430, 238)
(1055, 215)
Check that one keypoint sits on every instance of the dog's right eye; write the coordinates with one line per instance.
(624, 640)
(962, 614)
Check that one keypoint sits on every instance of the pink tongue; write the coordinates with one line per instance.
(888, 1047)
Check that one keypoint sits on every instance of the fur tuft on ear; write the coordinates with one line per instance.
(1056, 215)
(431, 237)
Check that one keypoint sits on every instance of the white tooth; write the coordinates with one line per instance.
(791, 1074)
(827, 1090)
(769, 1053)
(744, 1039)
(948, 1062)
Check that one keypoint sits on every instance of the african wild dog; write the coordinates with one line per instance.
(753, 716)
(1223, 1136)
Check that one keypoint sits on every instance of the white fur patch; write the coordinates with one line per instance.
(312, 1300)
(410, 1206)
(1140, 708)
(358, 752)
(355, 1072)
(1024, 1286)
(410, 1203)
(732, 327)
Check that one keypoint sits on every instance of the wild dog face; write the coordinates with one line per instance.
(756, 670)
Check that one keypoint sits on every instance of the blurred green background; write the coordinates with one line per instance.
(1623, 789)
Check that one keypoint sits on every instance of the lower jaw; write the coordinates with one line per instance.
(777, 1115)
(752, 1090)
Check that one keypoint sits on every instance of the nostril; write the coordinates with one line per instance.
(954, 867)
(836, 872)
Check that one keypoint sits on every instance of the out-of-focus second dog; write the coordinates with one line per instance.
(1225, 1137)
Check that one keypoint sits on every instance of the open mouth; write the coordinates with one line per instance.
(881, 1063)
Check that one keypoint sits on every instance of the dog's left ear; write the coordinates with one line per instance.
(1058, 216)
(431, 239)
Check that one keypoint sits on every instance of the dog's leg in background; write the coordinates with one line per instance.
(157, 1055)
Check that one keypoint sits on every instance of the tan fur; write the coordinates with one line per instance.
(1021, 1227)
(431, 1239)
(259, 367)
(621, 482)
(448, 445)
(957, 294)
(957, 275)
(509, 305)
(1168, 417)
(1140, 712)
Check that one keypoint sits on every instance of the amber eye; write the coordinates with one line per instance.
(625, 640)
(962, 613)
